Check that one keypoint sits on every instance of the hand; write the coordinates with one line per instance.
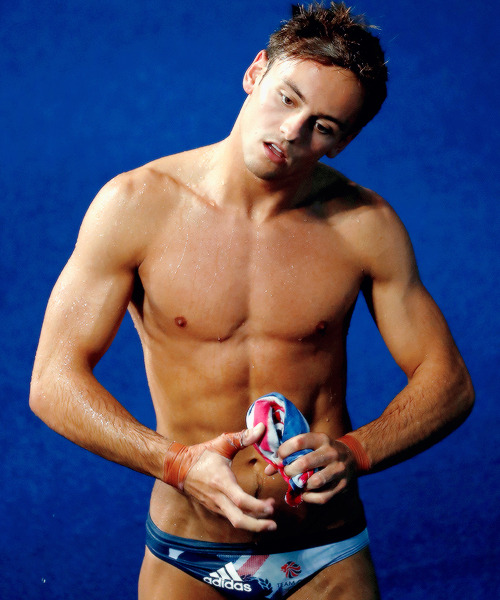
(335, 463)
(203, 471)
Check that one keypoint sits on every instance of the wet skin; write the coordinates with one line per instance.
(240, 264)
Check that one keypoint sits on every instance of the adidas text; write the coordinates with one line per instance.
(228, 584)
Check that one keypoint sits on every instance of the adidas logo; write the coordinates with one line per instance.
(228, 579)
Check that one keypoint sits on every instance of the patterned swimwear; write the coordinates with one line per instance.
(250, 571)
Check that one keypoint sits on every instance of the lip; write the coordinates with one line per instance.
(275, 152)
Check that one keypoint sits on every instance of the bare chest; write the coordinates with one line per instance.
(211, 276)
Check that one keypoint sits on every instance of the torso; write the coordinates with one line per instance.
(228, 310)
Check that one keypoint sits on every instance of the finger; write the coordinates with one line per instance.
(217, 488)
(253, 435)
(229, 444)
(240, 520)
(224, 483)
(304, 441)
(324, 459)
(270, 470)
(298, 466)
(316, 497)
(330, 476)
(248, 504)
(290, 446)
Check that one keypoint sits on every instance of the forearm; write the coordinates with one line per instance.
(79, 408)
(433, 404)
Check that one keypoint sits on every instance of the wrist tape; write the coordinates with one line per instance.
(362, 461)
(180, 459)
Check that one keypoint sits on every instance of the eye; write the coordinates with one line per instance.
(323, 129)
(286, 100)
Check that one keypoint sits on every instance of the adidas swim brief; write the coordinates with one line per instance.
(248, 571)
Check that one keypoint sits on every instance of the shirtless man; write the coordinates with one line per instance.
(240, 264)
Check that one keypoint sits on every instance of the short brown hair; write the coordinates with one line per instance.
(333, 36)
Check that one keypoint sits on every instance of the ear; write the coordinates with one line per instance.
(255, 71)
(345, 141)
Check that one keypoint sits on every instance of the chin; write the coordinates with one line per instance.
(263, 172)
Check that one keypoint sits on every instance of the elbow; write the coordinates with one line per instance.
(469, 394)
(39, 398)
(464, 394)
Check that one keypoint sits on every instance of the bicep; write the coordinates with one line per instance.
(91, 295)
(407, 317)
(84, 312)
(410, 323)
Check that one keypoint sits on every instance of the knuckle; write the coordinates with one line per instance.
(341, 485)
(299, 442)
(338, 468)
(217, 481)
(324, 439)
(238, 502)
(300, 465)
(319, 479)
(331, 454)
(237, 521)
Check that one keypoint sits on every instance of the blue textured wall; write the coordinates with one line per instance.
(90, 89)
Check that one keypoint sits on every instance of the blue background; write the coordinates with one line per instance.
(93, 88)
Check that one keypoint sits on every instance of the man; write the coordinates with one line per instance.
(240, 264)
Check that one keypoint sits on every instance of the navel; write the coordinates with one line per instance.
(180, 321)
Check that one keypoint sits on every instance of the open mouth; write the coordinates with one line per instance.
(275, 151)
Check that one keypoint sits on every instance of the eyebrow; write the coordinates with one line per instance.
(342, 126)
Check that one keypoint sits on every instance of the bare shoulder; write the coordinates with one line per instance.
(370, 225)
(151, 187)
(130, 209)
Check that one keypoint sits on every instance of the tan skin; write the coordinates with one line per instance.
(240, 264)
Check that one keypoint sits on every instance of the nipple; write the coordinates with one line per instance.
(321, 327)
(180, 321)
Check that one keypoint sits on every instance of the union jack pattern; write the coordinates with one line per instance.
(291, 569)
(283, 420)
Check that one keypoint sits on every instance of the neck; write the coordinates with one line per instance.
(238, 188)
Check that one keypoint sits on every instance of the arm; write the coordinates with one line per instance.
(84, 312)
(439, 394)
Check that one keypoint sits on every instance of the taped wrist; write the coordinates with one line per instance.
(363, 463)
(175, 465)
(180, 459)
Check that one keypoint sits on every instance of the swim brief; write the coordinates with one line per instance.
(250, 571)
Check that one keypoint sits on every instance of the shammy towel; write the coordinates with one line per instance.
(283, 421)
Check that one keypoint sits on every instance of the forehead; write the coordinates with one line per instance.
(327, 89)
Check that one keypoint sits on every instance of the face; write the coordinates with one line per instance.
(296, 112)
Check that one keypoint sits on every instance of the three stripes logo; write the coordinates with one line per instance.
(228, 579)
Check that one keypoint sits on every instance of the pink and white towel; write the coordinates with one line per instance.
(283, 421)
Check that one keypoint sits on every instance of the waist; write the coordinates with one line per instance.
(180, 515)
(290, 544)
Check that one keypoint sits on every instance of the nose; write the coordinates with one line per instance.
(292, 126)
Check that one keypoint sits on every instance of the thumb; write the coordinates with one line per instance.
(254, 434)
(229, 444)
